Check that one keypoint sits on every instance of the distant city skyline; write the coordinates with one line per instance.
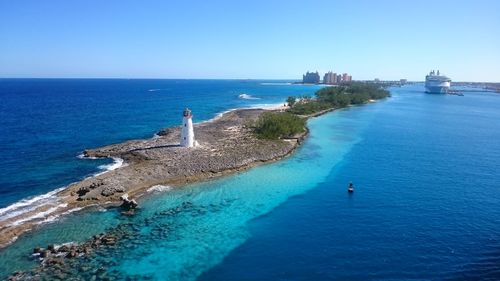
(223, 39)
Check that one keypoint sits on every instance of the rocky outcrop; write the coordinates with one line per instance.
(128, 204)
(56, 262)
(165, 132)
(111, 190)
(226, 145)
(82, 191)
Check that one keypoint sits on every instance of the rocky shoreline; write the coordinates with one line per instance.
(226, 145)
(89, 260)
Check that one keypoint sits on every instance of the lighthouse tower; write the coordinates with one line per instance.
(187, 134)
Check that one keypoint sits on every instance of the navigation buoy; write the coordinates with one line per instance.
(350, 189)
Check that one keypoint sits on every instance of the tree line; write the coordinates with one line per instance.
(352, 93)
(275, 125)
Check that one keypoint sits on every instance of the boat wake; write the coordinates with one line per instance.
(156, 90)
(248, 97)
(276, 83)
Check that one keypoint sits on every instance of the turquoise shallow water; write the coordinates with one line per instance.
(204, 233)
(425, 205)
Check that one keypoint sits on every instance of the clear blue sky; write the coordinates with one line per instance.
(249, 39)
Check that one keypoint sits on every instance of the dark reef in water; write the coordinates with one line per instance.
(90, 260)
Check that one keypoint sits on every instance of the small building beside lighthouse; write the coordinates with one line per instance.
(187, 133)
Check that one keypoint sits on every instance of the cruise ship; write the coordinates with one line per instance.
(436, 83)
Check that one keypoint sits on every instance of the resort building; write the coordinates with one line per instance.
(339, 79)
(330, 78)
(311, 78)
(346, 77)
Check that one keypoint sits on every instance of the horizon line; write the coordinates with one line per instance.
(255, 79)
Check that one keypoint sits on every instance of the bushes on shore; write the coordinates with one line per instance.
(306, 108)
(352, 93)
(274, 125)
(340, 96)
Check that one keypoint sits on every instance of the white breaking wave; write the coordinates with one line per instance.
(269, 105)
(29, 204)
(50, 200)
(248, 97)
(255, 106)
(159, 188)
(55, 217)
(39, 215)
(68, 244)
(82, 156)
(217, 116)
(117, 163)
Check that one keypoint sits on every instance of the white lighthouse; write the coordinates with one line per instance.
(187, 134)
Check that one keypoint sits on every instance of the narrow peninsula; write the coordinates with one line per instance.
(236, 141)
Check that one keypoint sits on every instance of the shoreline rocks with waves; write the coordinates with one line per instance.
(226, 145)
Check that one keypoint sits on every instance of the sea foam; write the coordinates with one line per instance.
(29, 204)
(53, 218)
(39, 215)
(50, 198)
(269, 106)
(82, 156)
(159, 188)
(117, 163)
(217, 116)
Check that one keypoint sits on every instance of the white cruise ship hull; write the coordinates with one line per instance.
(436, 87)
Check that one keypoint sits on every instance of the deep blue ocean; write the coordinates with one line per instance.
(425, 168)
(46, 123)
